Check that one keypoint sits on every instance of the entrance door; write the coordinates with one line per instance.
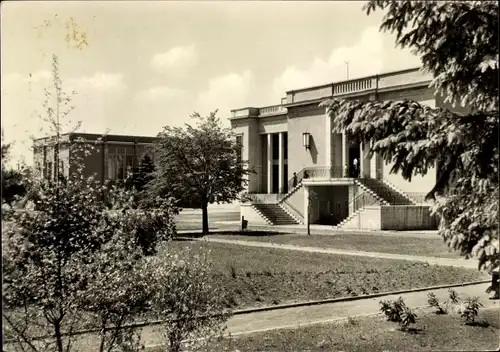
(276, 178)
(354, 153)
(285, 181)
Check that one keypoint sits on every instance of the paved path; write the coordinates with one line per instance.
(308, 315)
(189, 224)
(471, 264)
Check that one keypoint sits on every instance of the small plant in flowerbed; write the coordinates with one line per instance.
(469, 310)
(397, 311)
(443, 308)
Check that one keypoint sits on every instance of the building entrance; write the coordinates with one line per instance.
(354, 154)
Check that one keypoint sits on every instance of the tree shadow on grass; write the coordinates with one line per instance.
(414, 331)
(197, 234)
(480, 324)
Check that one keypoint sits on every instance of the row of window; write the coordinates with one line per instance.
(49, 171)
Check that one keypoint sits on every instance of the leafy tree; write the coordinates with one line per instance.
(189, 300)
(75, 261)
(198, 165)
(143, 174)
(458, 45)
(13, 186)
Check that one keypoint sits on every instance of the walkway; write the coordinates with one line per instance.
(309, 315)
(470, 264)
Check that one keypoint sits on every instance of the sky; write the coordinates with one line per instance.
(151, 64)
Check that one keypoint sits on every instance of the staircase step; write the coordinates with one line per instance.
(274, 214)
(385, 192)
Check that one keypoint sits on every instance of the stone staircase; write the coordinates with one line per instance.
(345, 224)
(385, 192)
(274, 214)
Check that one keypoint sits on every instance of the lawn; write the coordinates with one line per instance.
(437, 332)
(429, 247)
(267, 276)
(193, 221)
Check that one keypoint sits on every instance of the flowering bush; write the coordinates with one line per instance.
(188, 299)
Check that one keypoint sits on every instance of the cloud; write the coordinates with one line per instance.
(174, 59)
(159, 93)
(23, 102)
(225, 93)
(373, 53)
(99, 81)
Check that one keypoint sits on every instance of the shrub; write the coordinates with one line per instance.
(397, 311)
(454, 298)
(470, 309)
(434, 303)
(188, 299)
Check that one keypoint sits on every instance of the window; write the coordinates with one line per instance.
(285, 145)
(122, 159)
(239, 143)
(276, 144)
(49, 170)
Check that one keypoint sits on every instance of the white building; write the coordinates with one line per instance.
(296, 136)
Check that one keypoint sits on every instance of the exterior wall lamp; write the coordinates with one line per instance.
(306, 137)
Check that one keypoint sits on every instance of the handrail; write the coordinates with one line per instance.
(299, 215)
(292, 183)
(309, 172)
(358, 205)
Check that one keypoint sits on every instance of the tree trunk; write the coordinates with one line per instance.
(204, 209)
(58, 334)
(309, 217)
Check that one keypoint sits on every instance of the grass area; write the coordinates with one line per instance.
(266, 276)
(429, 247)
(435, 332)
(191, 221)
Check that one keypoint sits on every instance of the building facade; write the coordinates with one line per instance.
(110, 158)
(304, 173)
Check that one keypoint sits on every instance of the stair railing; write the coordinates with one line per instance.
(251, 198)
(294, 210)
(291, 184)
(365, 199)
(309, 172)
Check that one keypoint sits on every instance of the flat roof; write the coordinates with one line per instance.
(107, 137)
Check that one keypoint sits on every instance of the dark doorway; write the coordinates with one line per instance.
(285, 181)
(354, 153)
(276, 178)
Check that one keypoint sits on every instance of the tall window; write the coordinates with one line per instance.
(121, 160)
(49, 170)
(285, 145)
(276, 145)
(239, 143)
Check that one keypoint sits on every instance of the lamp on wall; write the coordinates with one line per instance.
(306, 137)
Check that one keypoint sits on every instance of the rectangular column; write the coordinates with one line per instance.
(306, 206)
(365, 161)
(281, 165)
(345, 156)
(361, 159)
(328, 141)
(269, 163)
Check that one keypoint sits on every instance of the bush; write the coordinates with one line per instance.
(397, 311)
(434, 303)
(72, 261)
(470, 309)
(186, 296)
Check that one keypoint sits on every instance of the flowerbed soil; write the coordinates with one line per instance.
(432, 332)
(255, 277)
(429, 247)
